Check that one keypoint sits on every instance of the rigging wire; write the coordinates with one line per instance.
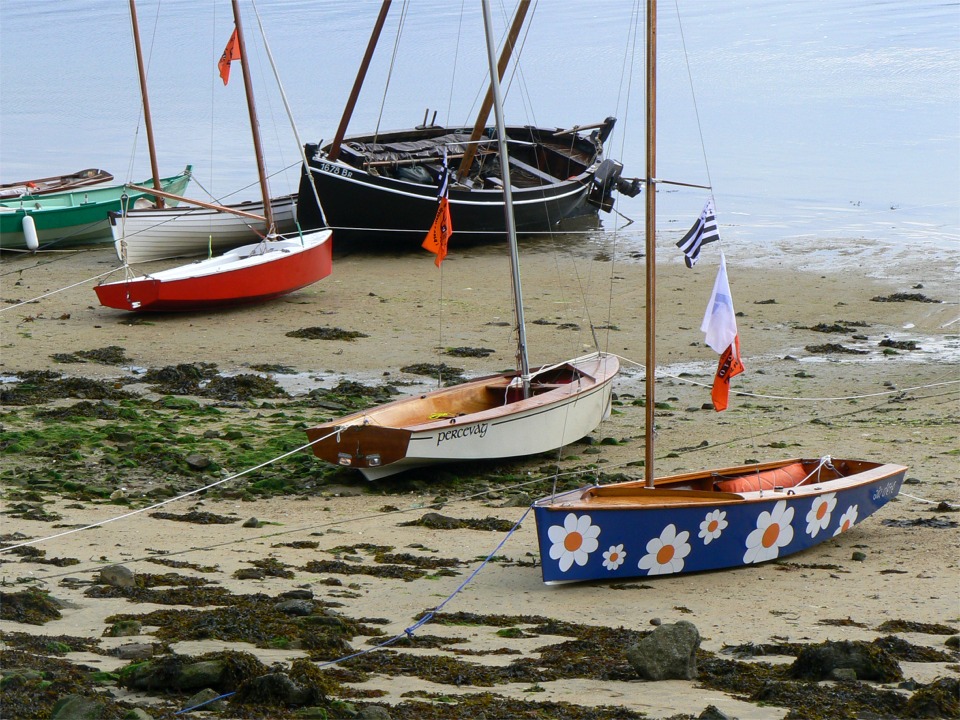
(146, 73)
(625, 88)
(456, 57)
(696, 108)
(393, 62)
(293, 125)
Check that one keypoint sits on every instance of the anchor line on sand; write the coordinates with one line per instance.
(427, 617)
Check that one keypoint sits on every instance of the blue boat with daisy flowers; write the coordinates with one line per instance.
(710, 519)
(707, 520)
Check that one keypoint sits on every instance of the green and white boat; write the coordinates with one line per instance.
(78, 217)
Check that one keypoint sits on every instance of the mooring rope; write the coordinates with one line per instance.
(794, 398)
(101, 523)
(54, 292)
(408, 632)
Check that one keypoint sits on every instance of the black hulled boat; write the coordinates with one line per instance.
(385, 187)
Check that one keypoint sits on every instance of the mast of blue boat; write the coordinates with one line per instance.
(254, 123)
(651, 238)
(147, 119)
(507, 202)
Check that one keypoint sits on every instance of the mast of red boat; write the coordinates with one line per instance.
(254, 123)
(147, 120)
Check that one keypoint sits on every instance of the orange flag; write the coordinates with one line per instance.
(230, 53)
(439, 233)
(729, 366)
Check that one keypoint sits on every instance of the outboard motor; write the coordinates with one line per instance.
(628, 186)
(604, 182)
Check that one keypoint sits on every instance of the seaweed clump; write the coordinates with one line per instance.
(435, 521)
(29, 606)
(339, 567)
(34, 685)
(110, 355)
(224, 671)
(916, 627)
(452, 374)
(42, 386)
(904, 297)
(772, 685)
(51, 644)
(939, 699)
(196, 516)
(182, 379)
(491, 705)
(828, 348)
(243, 387)
(900, 344)
(266, 567)
(469, 352)
(83, 409)
(255, 620)
(326, 333)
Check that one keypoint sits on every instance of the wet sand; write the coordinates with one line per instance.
(896, 407)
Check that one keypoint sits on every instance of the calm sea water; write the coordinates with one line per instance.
(810, 120)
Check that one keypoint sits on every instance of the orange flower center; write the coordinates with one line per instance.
(770, 535)
(665, 554)
(712, 527)
(614, 556)
(846, 526)
(573, 541)
(821, 511)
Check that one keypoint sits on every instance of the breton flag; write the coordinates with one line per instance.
(440, 231)
(703, 231)
(720, 326)
(230, 53)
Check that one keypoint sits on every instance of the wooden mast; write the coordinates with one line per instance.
(358, 82)
(651, 233)
(254, 123)
(507, 203)
(484, 113)
(148, 122)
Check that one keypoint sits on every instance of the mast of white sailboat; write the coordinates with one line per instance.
(651, 233)
(507, 202)
(358, 82)
(471, 149)
(254, 123)
(147, 120)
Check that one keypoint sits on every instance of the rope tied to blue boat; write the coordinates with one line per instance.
(408, 632)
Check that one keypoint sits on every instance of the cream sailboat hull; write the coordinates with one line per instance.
(477, 420)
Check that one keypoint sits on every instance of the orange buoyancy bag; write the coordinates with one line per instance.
(784, 477)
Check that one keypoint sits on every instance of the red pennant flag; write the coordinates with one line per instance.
(230, 53)
(439, 233)
(728, 367)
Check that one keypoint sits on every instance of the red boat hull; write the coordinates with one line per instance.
(249, 274)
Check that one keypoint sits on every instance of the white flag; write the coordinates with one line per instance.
(720, 322)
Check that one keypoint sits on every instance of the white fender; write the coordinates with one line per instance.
(30, 233)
